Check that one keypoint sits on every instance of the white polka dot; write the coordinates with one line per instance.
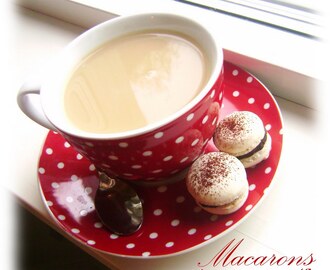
(266, 190)
(184, 159)
(169, 244)
(112, 157)
(128, 174)
(91, 242)
(113, 236)
(79, 157)
(206, 117)
(146, 254)
(75, 230)
(92, 167)
(123, 144)
(266, 106)
(268, 170)
(249, 207)
(249, 79)
(229, 223)
(158, 135)
(147, 153)
(74, 177)
(251, 100)
(235, 72)
(192, 231)
(236, 93)
(157, 171)
(281, 131)
(55, 185)
(49, 151)
(41, 170)
(66, 145)
(153, 235)
(175, 222)
(179, 139)
(195, 142)
(167, 158)
(268, 127)
(88, 190)
(69, 199)
(136, 166)
(220, 95)
(214, 217)
(190, 117)
(130, 245)
(162, 189)
(50, 203)
(98, 225)
(60, 165)
(180, 199)
(212, 93)
(252, 187)
(83, 213)
(158, 212)
(61, 217)
(214, 121)
(207, 237)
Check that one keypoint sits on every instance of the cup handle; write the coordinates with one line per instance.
(28, 99)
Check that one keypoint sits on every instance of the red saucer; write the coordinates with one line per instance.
(68, 184)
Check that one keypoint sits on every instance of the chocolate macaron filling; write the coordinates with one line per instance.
(256, 149)
(223, 205)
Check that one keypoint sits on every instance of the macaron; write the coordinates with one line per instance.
(243, 135)
(218, 183)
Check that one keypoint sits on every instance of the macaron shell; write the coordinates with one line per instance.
(239, 133)
(260, 155)
(216, 178)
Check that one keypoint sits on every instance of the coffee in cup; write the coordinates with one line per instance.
(135, 80)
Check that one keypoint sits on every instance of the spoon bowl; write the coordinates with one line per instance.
(118, 205)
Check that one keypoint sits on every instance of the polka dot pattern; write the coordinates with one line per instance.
(69, 182)
(75, 230)
(60, 165)
(158, 135)
(169, 244)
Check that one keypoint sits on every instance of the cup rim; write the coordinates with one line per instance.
(72, 131)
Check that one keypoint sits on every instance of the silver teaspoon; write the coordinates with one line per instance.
(118, 205)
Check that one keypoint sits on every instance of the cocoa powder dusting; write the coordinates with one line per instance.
(214, 168)
(240, 124)
(208, 172)
(235, 127)
(232, 126)
(212, 174)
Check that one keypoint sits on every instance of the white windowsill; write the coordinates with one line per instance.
(291, 66)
